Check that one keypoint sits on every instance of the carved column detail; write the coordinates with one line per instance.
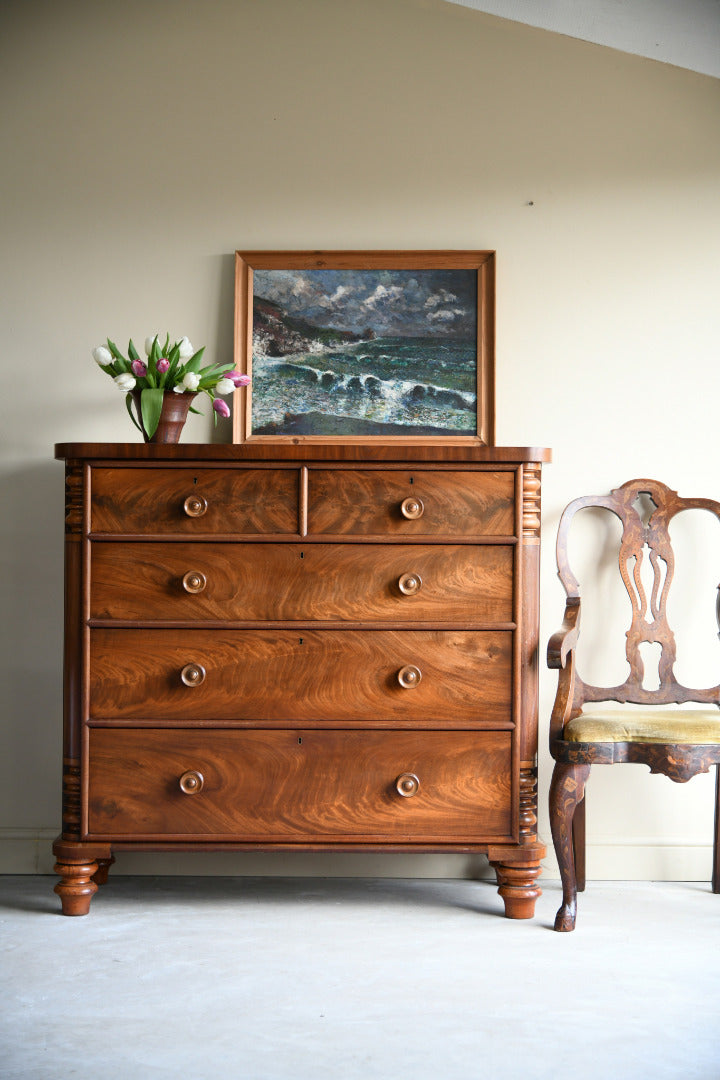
(528, 805)
(71, 799)
(531, 500)
(73, 497)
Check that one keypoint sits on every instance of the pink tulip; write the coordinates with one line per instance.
(139, 368)
(220, 407)
(236, 378)
(162, 365)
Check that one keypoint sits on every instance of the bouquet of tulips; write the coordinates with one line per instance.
(176, 367)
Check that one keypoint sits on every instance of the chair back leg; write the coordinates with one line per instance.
(578, 836)
(567, 790)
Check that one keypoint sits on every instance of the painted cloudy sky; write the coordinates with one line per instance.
(395, 303)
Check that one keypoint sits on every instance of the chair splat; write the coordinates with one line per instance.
(645, 509)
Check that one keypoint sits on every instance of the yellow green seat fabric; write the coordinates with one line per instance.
(642, 724)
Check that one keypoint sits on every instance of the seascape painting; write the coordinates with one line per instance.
(372, 352)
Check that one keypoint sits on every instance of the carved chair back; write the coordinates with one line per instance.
(645, 536)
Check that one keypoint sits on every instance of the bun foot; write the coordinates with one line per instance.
(80, 866)
(103, 868)
(517, 887)
(76, 887)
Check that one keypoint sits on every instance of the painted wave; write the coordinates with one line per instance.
(410, 386)
(391, 390)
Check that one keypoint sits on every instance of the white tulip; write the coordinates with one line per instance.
(224, 386)
(186, 349)
(125, 382)
(102, 356)
(149, 344)
(191, 380)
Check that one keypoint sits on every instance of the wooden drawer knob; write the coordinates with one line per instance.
(191, 782)
(409, 676)
(409, 584)
(407, 785)
(412, 508)
(193, 674)
(195, 506)
(194, 581)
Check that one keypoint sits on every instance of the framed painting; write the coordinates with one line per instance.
(354, 346)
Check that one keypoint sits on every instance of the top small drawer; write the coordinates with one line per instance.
(194, 501)
(411, 503)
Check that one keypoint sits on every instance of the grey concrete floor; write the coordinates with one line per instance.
(280, 978)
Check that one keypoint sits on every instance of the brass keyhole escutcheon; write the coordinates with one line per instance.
(409, 584)
(194, 581)
(193, 674)
(407, 785)
(191, 782)
(195, 506)
(409, 676)
(412, 508)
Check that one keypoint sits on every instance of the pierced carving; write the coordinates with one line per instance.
(645, 508)
(531, 500)
(73, 497)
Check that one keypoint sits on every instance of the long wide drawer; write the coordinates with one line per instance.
(411, 676)
(358, 502)
(216, 502)
(300, 786)
(289, 582)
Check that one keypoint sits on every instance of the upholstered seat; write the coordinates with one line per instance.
(592, 725)
(662, 725)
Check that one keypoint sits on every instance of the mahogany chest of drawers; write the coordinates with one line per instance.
(300, 647)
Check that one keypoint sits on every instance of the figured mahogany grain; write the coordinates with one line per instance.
(301, 675)
(150, 501)
(365, 503)
(314, 582)
(301, 784)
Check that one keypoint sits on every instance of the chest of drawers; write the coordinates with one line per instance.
(300, 647)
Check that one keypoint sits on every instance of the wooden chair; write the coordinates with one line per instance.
(677, 742)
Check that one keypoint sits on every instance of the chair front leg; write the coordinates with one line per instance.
(567, 789)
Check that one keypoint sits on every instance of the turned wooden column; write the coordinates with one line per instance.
(517, 870)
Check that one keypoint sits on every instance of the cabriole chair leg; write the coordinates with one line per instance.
(566, 792)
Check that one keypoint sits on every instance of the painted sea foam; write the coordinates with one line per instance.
(413, 382)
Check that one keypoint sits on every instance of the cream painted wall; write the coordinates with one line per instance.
(144, 142)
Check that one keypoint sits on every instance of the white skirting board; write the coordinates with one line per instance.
(27, 851)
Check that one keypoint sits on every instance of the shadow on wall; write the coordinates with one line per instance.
(225, 334)
(31, 636)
